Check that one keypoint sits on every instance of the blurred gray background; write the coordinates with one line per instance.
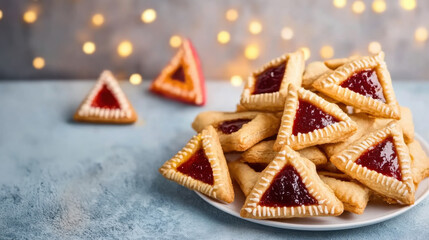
(63, 26)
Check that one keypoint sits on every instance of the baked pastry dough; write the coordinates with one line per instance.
(182, 79)
(338, 62)
(420, 162)
(106, 103)
(353, 195)
(290, 187)
(381, 161)
(201, 166)
(312, 72)
(363, 83)
(238, 131)
(266, 88)
(263, 153)
(244, 175)
(310, 120)
(406, 123)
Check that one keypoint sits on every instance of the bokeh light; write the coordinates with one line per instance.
(223, 37)
(30, 16)
(175, 41)
(327, 52)
(421, 34)
(374, 47)
(255, 27)
(1, 14)
(88, 48)
(358, 7)
(307, 52)
(339, 3)
(135, 79)
(148, 15)
(379, 6)
(251, 51)
(38, 63)
(287, 33)
(236, 81)
(408, 4)
(125, 48)
(231, 15)
(97, 19)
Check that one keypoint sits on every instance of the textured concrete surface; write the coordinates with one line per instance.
(63, 26)
(64, 180)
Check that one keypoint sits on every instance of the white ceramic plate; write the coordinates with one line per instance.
(374, 213)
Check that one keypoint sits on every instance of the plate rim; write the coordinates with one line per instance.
(337, 226)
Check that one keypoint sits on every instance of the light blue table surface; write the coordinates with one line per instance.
(65, 180)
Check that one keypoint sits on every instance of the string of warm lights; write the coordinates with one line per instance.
(255, 27)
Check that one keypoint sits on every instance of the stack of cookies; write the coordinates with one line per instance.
(315, 140)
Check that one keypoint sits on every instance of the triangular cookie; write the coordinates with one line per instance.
(201, 166)
(266, 89)
(238, 131)
(381, 161)
(290, 187)
(310, 120)
(106, 103)
(363, 83)
(182, 79)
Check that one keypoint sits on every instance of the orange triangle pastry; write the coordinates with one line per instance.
(266, 89)
(201, 166)
(106, 103)
(381, 161)
(310, 120)
(363, 83)
(290, 187)
(182, 79)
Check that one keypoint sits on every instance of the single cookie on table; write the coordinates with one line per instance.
(238, 131)
(275, 195)
(263, 153)
(310, 120)
(266, 89)
(406, 123)
(381, 161)
(182, 79)
(420, 162)
(364, 84)
(353, 195)
(106, 103)
(312, 72)
(245, 174)
(201, 166)
(338, 62)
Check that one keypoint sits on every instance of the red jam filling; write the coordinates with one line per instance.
(105, 99)
(179, 74)
(269, 81)
(382, 158)
(365, 83)
(258, 167)
(287, 190)
(198, 167)
(309, 118)
(231, 126)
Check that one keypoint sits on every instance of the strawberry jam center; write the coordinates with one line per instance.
(179, 74)
(309, 118)
(287, 190)
(269, 81)
(198, 167)
(231, 126)
(382, 158)
(105, 99)
(258, 167)
(365, 83)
